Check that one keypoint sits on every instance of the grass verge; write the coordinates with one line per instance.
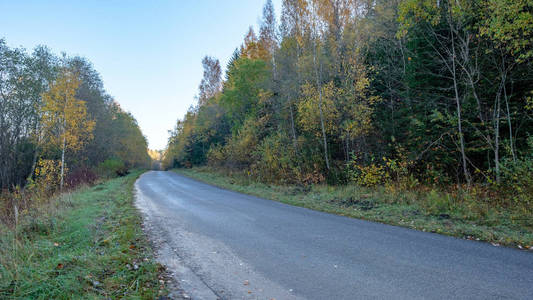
(432, 212)
(87, 244)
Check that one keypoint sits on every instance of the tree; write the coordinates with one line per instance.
(15, 112)
(441, 87)
(211, 83)
(65, 117)
(510, 24)
(31, 119)
(267, 32)
(444, 25)
(251, 48)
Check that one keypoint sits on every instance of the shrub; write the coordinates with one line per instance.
(47, 177)
(112, 167)
(368, 175)
(239, 151)
(275, 159)
(438, 204)
(314, 176)
(79, 176)
(216, 156)
(517, 177)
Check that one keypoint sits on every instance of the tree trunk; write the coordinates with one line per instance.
(497, 140)
(511, 142)
(458, 105)
(293, 130)
(63, 161)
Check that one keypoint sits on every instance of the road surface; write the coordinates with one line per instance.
(223, 244)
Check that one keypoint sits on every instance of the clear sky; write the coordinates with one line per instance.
(148, 53)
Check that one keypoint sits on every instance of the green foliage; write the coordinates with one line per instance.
(242, 92)
(276, 161)
(423, 93)
(509, 23)
(52, 108)
(112, 167)
(517, 174)
(437, 204)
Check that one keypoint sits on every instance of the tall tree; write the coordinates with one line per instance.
(211, 83)
(65, 117)
(267, 32)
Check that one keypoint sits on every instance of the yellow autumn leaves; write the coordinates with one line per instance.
(64, 117)
(353, 106)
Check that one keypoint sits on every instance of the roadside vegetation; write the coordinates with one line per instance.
(450, 213)
(58, 128)
(423, 106)
(68, 227)
(87, 243)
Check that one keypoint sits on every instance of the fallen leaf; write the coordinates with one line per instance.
(59, 266)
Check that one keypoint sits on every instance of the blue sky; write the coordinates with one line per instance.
(148, 53)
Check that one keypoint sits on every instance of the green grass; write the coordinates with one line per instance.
(433, 212)
(87, 244)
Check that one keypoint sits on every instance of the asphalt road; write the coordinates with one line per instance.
(242, 247)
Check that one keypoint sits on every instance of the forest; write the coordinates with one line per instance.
(58, 128)
(399, 93)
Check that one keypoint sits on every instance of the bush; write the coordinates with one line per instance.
(275, 159)
(437, 204)
(216, 156)
(113, 167)
(47, 177)
(79, 176)
(239, 151)
(368, 175)
(517, 177)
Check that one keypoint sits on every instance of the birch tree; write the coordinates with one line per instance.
(65, 117)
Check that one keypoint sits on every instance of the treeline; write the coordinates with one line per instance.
(405, 91)
(58, 126)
